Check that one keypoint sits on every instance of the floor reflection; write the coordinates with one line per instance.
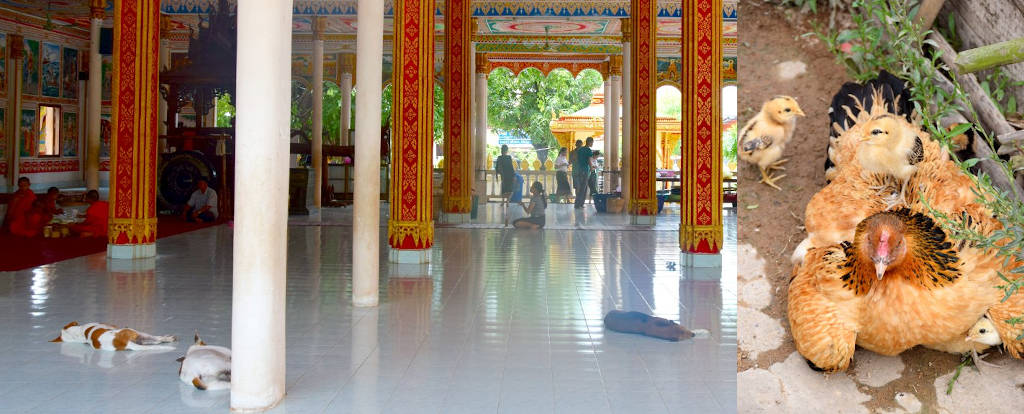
(499, 321)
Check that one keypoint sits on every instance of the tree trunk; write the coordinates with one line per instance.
(985, 22)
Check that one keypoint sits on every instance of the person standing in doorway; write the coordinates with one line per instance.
(581, 167)
(562, 175)
(507, 171)
(592, 181)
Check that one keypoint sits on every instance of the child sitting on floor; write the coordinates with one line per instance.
(538, 203)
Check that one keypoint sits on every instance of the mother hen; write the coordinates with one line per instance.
(890, 280)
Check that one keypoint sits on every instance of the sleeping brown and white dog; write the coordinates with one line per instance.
(112, 338)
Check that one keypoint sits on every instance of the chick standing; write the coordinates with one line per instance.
(892, 149)
(764, 137)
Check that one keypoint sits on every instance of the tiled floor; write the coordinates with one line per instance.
(500, 321)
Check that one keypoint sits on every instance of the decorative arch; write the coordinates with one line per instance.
(575, 64)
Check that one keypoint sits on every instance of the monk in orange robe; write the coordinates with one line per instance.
(31, 224)
(51, 201)
(20, 204)
(95, 224)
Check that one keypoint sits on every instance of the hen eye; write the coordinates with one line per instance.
(983, 330)
(877, 131)
(788, 110)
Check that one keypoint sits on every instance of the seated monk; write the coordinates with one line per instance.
(95, 224)
(31, 224)
(51, 201)
(21, 203)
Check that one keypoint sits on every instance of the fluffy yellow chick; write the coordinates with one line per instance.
(984, 332)
(764, 137)
(892, 149)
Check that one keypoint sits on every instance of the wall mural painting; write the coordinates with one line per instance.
(108, 76)
(69, 74)
(105, 133)
(27, 143)
(51, 70)
(3, 137)
(3, 65)
(69, 135)
(30, 68)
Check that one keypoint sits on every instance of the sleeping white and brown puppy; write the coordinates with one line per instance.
(207, 367)
(111, 338)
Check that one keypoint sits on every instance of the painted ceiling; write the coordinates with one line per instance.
(582, 26)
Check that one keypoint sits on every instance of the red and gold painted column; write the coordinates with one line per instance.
(135, 105)
(458, 178)
(643, 55)
(701, 229)
(410, 226)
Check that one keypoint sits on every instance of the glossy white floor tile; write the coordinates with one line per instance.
(499, 321)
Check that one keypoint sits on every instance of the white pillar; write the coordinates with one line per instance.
(94, 93)
(481, 119)
(613, 144)
(627, 117)
(473, 109)
(317, 147)
(607, 116)
(366, 200)
(346, 107)
(261, 168)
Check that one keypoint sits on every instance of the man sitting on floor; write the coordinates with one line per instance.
(95, 224)
(31, 223)
(203, 203)
(20, 204)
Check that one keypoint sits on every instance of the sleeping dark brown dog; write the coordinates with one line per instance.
(644, 324)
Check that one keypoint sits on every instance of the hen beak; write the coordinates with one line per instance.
(798, 112)
(880, 270)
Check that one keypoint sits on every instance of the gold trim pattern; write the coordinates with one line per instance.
(421, 232)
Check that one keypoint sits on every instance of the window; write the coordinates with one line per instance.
(49, 131)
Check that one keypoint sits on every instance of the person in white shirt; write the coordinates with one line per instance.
(203, 203)
(564, 190)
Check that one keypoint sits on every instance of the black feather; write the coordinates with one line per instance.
(917, 154)
(894, 91)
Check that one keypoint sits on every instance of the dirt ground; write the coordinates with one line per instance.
(769, 229)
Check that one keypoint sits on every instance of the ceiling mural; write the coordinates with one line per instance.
(541, 26)
(480, 8)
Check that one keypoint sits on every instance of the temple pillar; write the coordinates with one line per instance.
(607, 116)
(458, 155)
(627, 107)
(94, 93)
(643, 199)
(347, 62)
(317, 146)
(261, 182)
(13, 114)
(366, 197)
(165, 63)
(411, 225)
(612, 157)
(481, 122)
(700, 233)
(136, 91)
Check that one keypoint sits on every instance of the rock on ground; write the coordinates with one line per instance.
(792, 387)
(757, 332)
(876, 370)
(997, 390)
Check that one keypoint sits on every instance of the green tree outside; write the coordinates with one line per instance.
(524, 105)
